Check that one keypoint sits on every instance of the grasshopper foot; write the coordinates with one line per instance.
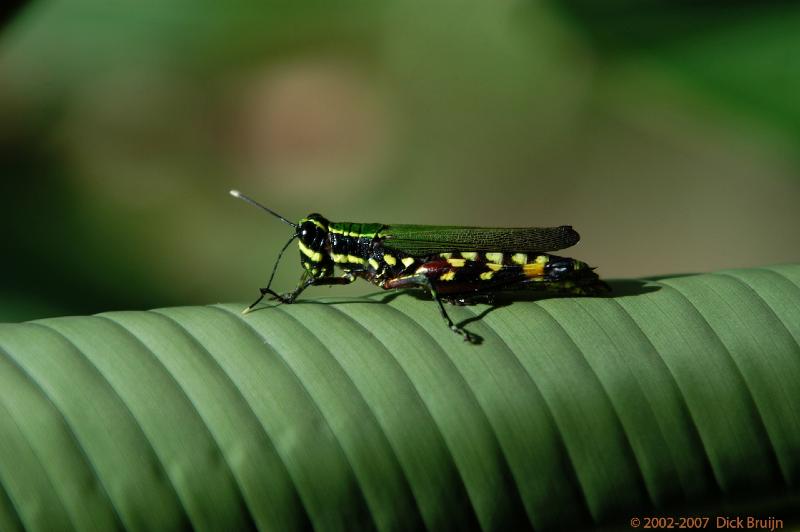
(287, 298)
(468, 337)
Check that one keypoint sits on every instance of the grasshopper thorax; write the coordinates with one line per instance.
(312, 236)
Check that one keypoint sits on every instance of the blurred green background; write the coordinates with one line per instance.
(666, 132)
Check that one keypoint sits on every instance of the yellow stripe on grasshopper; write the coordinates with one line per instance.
(315, 256)
(449, 276)
(315, 222)
(495, 257)
(519, 258)
(534, 269)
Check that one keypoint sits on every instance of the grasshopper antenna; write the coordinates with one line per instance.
(267, 290)
(237, 194)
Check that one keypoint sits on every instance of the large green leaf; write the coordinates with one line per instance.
(679, 395)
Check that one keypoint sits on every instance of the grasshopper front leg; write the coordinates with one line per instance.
(305, 281)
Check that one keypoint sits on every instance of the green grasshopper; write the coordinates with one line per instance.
(459, 265)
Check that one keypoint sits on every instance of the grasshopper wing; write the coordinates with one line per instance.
(422, 240)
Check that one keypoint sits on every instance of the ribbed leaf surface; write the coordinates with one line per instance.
(677, 398)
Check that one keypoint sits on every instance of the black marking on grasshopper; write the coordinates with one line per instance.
(460, 265)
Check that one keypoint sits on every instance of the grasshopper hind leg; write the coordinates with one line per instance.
(424, 282)
(471, 338)
(469, 299)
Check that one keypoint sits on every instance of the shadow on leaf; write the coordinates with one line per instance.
(618, 288)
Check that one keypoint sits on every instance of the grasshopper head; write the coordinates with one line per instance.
(312, 235)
